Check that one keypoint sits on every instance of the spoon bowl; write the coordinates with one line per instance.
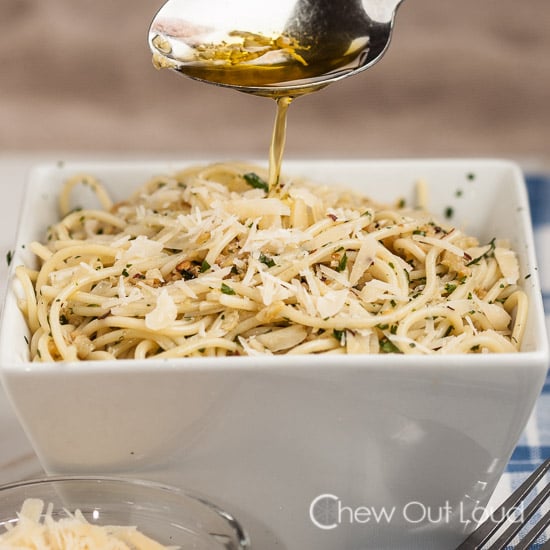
(275, 49)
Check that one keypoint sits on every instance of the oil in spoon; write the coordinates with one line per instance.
(278, 138)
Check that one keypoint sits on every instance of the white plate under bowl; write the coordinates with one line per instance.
(394, 442)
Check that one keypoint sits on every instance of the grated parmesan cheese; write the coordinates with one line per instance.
(37, 529)
(508, 264)
(142, 247)
(331, 303)
(164, 314)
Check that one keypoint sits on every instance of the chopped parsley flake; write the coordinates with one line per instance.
(269, 262)
(227, 289)
(255, 181)
(485, 254)
(387, 346)
(342, 263)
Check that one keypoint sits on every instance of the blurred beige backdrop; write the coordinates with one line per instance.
(467, 77)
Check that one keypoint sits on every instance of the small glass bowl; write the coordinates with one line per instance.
(166, 514)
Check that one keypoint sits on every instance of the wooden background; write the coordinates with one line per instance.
(467, 77)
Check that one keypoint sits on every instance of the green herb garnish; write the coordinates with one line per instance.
(387, 346)
(342, 263)
(485, 254)
(255, 181)
(227, 289)
(266, 260)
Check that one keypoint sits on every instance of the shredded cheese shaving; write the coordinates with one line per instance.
(201, 263)
(38, 529)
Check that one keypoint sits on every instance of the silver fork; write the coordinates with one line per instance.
(479, 538)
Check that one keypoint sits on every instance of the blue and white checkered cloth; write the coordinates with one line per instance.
(534, 446)
(535, 442)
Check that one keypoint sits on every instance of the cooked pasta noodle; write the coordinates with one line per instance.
(209, 262)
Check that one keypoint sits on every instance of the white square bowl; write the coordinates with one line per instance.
(419, 442)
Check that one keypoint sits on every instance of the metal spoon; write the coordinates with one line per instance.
(277, 48)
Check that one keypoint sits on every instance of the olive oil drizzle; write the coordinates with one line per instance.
(226, 64)
(278, 140)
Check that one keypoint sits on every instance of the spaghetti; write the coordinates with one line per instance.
(210, 262)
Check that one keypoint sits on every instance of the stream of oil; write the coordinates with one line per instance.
(236, 72)
(278, 139)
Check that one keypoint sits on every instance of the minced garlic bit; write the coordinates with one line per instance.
(211, 262)
(38, 529)
(248, 46)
